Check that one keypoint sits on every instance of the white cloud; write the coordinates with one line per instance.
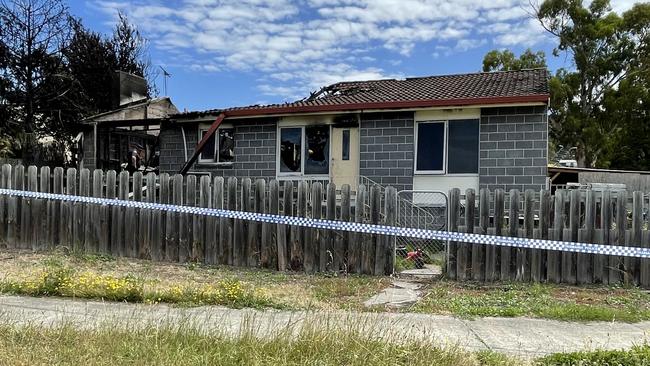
(301, 45)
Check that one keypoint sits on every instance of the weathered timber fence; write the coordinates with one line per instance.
(588, 216)
(38, 224)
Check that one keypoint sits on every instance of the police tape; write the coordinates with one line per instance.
(471, 238)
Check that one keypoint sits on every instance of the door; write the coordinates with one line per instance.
(344, 167)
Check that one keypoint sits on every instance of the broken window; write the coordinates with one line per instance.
(290, 148)
(220, 147)
(315, 140)
(317, 150)
(226, 145)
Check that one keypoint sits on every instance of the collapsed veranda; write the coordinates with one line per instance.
(480, 130)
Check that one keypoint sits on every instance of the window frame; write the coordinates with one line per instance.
(303, 146)
(445, 157)
(204, 128)
(444, 150)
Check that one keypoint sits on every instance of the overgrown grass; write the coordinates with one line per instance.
(537, 300)
(637, 356)
(66, 281)
(153, 345)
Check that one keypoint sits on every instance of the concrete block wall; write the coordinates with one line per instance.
(387, 148)
(513, 148)
(255, 144)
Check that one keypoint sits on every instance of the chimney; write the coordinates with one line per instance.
(128, 88)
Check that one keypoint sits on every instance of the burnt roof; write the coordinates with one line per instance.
(444, 90)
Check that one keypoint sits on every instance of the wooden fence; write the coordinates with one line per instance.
(601, 217)
(131, 232)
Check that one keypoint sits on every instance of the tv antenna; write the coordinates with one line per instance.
(165, 76)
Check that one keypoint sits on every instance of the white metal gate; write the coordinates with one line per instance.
(422, 210)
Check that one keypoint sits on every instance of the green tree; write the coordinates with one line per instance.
(506, 60)
(604, 49)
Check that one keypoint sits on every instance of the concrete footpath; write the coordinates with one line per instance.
(521, 337)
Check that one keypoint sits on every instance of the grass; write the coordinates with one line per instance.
(168, 345)
(119, 279)
(638, 356)
(536, 300)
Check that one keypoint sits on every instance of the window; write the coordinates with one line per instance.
(447, 147)
(312, 142)
(220, 148)
(345, 149)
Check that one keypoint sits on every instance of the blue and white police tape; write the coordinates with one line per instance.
(636, 252)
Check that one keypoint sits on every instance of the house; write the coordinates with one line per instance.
(109, 138)
(427, 133)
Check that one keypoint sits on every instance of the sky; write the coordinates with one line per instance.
(223, 53)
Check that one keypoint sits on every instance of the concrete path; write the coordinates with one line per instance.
(521, 337)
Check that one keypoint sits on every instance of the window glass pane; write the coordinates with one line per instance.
(431, 142)
(463, 147)
(208, 152)
(317, 150)
(290, 148)
(226, 145)
(346, 145)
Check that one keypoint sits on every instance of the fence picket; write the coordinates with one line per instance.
(479, 251)
(452, 247)
(508, 268)
(42, 212)
(538, 273)
(215, 234)
(277, 236)
(585, 261)
(345, 238)
(312, 236)
(329, 253)
(493, 266)
(230, 254)
(356, 241)
(616, 268)
(524, 255)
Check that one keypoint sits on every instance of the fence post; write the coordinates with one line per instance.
(172, 221)
(5, 175)
(568, 258)
(261, 229)
(378, 241)
(231, 252)
(508, 271)
(355, 245)
(370, 247)
(42, 219)
(118, 232)
(329, 258)
(108, 215)
(553, 265)
(201, 249)
(278, 233)
(216, 240)
(185, 230)
(524, 254)
(615, 262)
(26, 228)
(287, 210)
(537, 272)
(312, 239)
(585, 261)
(606, 225)
(479, 256)
(464, 259)
(94, 214)
(298, 234)
(390, 214)
(55, 222)
(156, 216)
(632, 264)
(249, 246)
(79, 213)
(452, 246)
(493, 272)
(344, 244)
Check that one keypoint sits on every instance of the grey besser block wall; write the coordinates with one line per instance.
(255, 143)
(387, 148)
(513, 148)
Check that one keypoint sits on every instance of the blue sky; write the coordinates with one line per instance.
(239, 52)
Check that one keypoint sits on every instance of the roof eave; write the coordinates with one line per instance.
(537, 98)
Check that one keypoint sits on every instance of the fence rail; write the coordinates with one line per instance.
(37, 224)
(587, 216)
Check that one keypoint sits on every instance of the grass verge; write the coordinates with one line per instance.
(154, 345)
(536, 300)
(72, 274)
(638, 356)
